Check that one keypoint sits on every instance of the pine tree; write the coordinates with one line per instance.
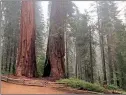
(0, 30)
(83, 38)
(121, 53)
(107, 13)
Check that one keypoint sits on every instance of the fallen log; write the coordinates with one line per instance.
(28, 82)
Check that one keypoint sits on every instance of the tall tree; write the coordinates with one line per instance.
(0, 30)
(84, 46)
(107, 15)
(121, 53)
(55, 48)
(26, 60)
(91, 53)
(54, 64)
(70, 49)
(101, 43)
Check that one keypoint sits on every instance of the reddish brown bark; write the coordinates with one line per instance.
(55, 48)
(26, 61)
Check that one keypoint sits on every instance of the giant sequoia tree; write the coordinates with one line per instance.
(54, 65)
(26, 60)
(55, 48)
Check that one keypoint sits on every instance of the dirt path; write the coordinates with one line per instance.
(9, 88)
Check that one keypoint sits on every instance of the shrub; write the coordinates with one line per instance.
(80, 84)
(112, 87)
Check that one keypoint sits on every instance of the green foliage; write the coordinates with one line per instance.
(11, 72)
(112, 87)
(116, 88)
(40, 64)
(3, 72)
(121, 52)
(80, 84)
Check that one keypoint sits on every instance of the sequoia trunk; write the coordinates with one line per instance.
(55, 48)
(26, 60)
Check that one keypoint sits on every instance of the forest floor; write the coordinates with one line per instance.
(10, 88)
(23, 85)
(10, 85)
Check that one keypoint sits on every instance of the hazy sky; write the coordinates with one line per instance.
(82, 5)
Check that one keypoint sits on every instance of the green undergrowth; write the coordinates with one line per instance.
(83, 85)
(40, 65)
(112, 87)
(80, 84)
(115, 88)
(5, 72)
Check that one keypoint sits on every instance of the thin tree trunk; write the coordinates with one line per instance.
(7, 54)
(78, 61)
(10, 60)
(26, 61)
(91, 58)
(103, 60)
(1, 34)
(110, 60)
(67, 63)
(102, 49)
(14, 59)
(76, 68)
